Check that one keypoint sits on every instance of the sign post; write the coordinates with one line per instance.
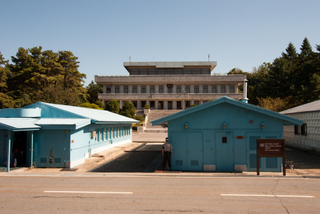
(271, 148)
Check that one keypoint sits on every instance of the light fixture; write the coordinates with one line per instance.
(186, 126)
(263, 125)
(224, 125)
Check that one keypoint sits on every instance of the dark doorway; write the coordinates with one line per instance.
(19, 149)
(179, 106)
(169, 104)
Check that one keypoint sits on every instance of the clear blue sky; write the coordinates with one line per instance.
(103, 33)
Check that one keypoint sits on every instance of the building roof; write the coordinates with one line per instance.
(19, 124)
(56, 123)
(96, 116)
(287, 119)
(177, 64)
(309, 107)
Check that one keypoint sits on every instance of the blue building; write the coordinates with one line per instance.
(52, 135)
(221, 135)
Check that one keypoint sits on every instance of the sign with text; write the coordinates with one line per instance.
(271, 148)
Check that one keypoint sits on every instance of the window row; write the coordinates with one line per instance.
(103, 134)
(170, 88)
(300, 130)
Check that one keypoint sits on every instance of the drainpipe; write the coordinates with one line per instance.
(245, 91)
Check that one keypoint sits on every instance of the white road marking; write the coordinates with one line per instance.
(272, 196)
(89, 192)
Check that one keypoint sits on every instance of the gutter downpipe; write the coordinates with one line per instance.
(31, 150)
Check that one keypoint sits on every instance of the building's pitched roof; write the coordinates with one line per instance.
(309, 107)
(96, 116)
(287, 120)
(19, 124)
(56, 123)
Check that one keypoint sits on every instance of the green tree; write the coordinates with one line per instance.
(128, 110)
(93, 91)
(113, 106)
(46, 76)
(6, 101)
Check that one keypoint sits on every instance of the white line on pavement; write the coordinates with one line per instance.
(90, 192)
(272, 196)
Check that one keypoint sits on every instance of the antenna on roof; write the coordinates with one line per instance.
(209, 57)
(129, 58)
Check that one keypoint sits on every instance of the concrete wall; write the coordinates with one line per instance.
(311, 141)
(200, 148)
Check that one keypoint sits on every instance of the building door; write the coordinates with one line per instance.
(224, 151)
(187, 151)
(160, 105)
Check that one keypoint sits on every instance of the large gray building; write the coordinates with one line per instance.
(169, 85)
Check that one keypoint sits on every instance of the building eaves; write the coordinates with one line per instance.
(19, 124)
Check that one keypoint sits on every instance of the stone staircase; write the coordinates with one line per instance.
(156, 114)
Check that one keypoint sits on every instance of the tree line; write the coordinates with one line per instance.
(47, 76)
(43, 75)
(290, 80)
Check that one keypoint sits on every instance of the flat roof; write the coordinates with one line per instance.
(177, 64)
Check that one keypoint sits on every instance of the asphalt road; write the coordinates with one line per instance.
(149, 193)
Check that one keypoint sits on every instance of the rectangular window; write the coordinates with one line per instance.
(187, 88)
(214, 89)
(170, 88)
(152, 104)
(134, 89)
(231, 89)
(161, 89)
(223, 89)
(117, 89)
(187, 104)
(297, 130)
(152, 89)
(304, 129)
(108, 89)
(178, 88)
(126, 89)
(143, 89)
(196, 89)
(205, 89)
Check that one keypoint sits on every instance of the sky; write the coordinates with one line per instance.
(104, 33)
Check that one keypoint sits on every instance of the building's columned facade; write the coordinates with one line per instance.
(168, 85)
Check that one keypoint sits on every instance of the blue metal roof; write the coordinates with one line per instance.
(286, 119)
(96, 116)
(19, 124)
(57, 123)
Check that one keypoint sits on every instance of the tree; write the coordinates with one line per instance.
(93, 91)
(6, 101)
(113, 106)
(128, 110)
(46, 76)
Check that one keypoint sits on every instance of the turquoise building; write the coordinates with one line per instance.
(52, 135)
(221, 135)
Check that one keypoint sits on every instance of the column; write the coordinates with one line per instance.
(121, 103)
(113, 89)
(156, 103)
(192, 89)
(130, 89)
(200, 88)
(121, 89)
(174, 104)
(148, 89)
(104, 89)
(183, 88)
(183, 103)
(139, 89)
(138, 104)
(9, 150)
(31, 150)
(156, 88)
(165, 105)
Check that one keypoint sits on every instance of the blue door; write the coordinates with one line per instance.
(224, 151)
(194, 151)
